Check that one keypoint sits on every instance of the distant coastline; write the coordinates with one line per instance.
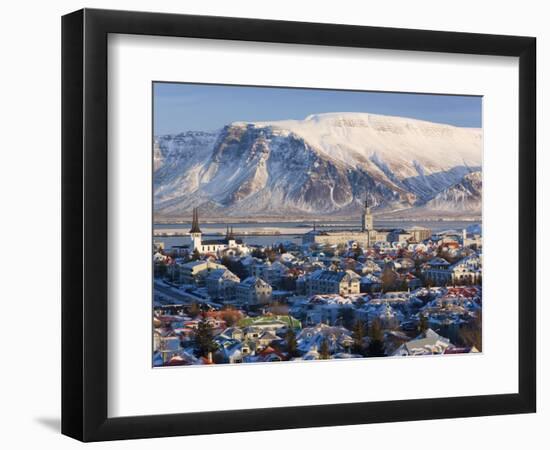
(317, 220)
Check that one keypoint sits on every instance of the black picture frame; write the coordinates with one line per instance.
(84, 224)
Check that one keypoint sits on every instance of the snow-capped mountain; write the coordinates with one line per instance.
(464, 196)
(325, 164)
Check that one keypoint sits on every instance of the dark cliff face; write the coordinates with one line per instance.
(263, 171)
(249, 170)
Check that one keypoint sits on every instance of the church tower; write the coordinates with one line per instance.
(366, 219)
(195, 231)
(230, 237)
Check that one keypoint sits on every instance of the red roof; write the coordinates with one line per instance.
(465, 291)
(270, 350)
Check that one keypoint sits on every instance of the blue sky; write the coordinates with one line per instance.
(181, 107)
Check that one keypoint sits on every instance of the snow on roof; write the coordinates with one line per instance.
(254, 281)
(437, 261)
(431, 342)
(334, 276)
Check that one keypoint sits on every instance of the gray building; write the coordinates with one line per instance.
(222, 284)
(253, 291)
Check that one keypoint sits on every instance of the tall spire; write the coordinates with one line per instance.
(195, 224)
(366, 219)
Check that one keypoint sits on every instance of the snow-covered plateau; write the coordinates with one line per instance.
(323, 166)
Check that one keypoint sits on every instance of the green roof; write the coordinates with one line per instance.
(267, 320)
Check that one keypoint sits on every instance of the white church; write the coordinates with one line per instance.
(228, 246)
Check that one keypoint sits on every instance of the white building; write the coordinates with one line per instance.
(429, 344)
(229, 245)
(466, 271)
(196, 271)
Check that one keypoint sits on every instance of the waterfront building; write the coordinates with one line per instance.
(367, 235)
(228, 245)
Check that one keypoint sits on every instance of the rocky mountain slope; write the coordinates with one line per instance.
(324, 165)
(462, 196)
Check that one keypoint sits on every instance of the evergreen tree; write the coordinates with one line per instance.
(376, 346)
(160, 270)
(358, 334)
(422, 324)
(470, 334)
(204, 343)
(291, 343)
(324, 350)
(347, 316)
(389, 277)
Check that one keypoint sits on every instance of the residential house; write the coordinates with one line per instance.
(222, 284)
(430, 343)
(253, 291)
(333, 282)
(437, 270)
(338, 339)
(271, 273)
(196, 271)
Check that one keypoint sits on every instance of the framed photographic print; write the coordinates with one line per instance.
(274, 224)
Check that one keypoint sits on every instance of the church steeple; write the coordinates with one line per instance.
(195, 232)
(195, 224)
(366, 219)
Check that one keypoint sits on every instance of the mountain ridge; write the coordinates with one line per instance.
(325, 164)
